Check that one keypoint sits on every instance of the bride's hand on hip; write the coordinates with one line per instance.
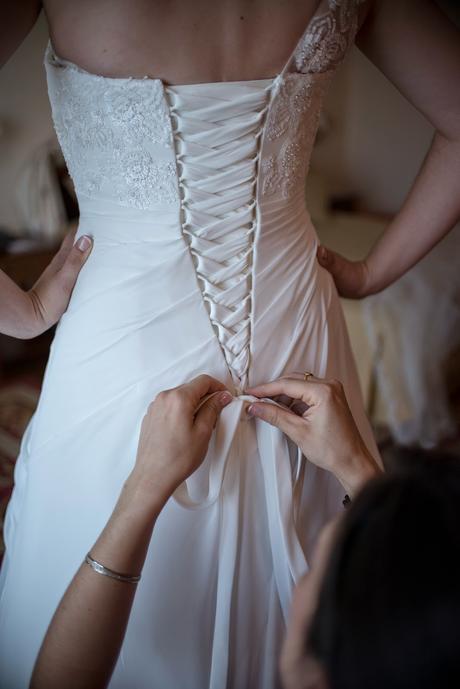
(51, 293)
(352, 278)
(175, 435)
(26, 314)
(320, 422)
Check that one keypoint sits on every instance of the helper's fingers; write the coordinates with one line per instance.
(74, 262)
(284, 400)
(209, 412)
(297, 406)
(285, 420)
(200, 387)
(296, 388)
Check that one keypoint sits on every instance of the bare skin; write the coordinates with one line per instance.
(27, 313)
(410, 41)
(228, 40)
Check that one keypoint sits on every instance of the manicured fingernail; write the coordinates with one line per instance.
(225, 398)
(84, 243)
(322, 253)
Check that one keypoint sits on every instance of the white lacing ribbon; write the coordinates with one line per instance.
(217, 152)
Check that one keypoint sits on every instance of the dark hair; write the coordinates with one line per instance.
(388, 615)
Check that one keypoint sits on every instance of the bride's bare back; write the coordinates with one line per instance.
(178, 41)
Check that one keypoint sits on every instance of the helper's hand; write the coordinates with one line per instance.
(320, 422)
(351, 278)
(51, 293)
(175, 436)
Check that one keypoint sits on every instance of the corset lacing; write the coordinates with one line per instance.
(219, 201)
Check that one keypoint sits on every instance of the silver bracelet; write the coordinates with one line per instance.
(100, 569)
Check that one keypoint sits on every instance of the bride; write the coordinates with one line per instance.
(187, 129)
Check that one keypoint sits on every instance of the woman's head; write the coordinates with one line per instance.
(387, 613)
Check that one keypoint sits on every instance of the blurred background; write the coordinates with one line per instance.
(369, 148)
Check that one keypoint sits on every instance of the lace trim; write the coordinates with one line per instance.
(116, 138)
(290, 104)
(116, 133)
(328, 38)
(294, 115)
(296, 105)
(283, 172)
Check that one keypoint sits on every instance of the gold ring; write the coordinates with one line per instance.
(307, 375)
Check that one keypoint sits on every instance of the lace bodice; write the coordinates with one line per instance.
(212, 153)
(116, 133)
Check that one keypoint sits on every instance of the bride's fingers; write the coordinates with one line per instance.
(64, 250)
(74, 262)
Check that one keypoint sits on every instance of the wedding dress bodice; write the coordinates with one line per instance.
(213, 154)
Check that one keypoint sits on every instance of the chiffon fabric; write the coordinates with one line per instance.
(203, 261)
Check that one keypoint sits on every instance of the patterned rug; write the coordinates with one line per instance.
(17, 404)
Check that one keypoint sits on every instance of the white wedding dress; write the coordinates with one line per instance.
(203, 261)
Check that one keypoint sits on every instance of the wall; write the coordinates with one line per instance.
(377, 139)
(24, 116)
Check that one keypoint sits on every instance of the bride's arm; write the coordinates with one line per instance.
(17, 17)
(26, 314)
(84, 638)
(418, 49)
